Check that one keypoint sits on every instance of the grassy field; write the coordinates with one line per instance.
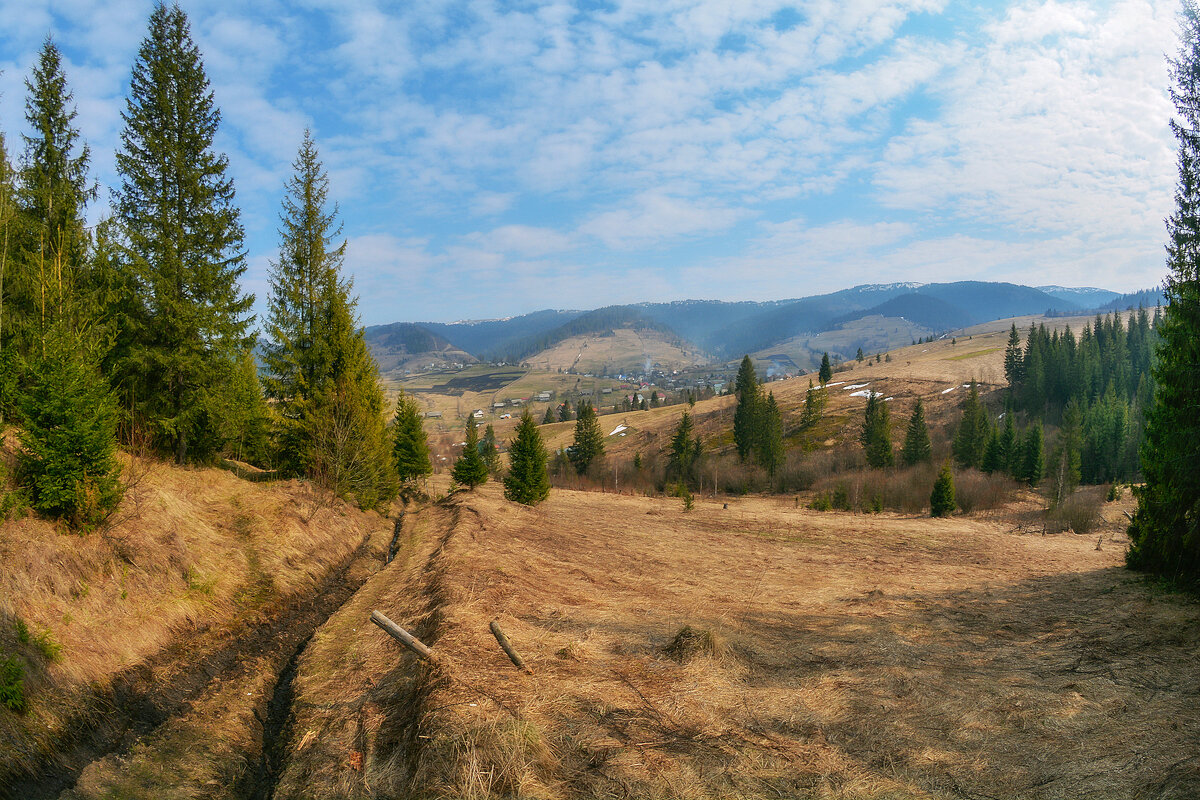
(751, 649)
(625, 350)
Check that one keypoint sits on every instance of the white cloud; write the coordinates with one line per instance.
(655, 218)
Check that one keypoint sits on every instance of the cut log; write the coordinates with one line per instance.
(404, 637)
(507, 647)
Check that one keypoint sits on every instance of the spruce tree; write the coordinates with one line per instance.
(526, 481)
(68, 435)
(1009, 446)
(549, 418)
(770, 449)
(876, 435)
(470, 469)
(1033, 458)
(490, 450)
(589, 441)
(1065, 462)
(8, 234)
(971, 437)
(176, 206)
(747, 417)
(299, 346)
(1166, 528)
(54, 190)
(826, 372)
(814, 403)
(244, 420)
(917, 448)
(859, 355)
(1013, 359)
(993, 453)
(564, 411)
(941, 499)
(685, 451)
(410, 448)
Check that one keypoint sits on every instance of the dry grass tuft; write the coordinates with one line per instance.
(692, 642)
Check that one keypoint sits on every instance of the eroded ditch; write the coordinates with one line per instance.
(145, 700)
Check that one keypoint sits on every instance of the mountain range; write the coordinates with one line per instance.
(726, 330)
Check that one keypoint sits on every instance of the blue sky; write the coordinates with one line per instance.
(491, 159)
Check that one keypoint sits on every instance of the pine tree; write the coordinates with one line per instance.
(564, 411)
(1033, 459)
(1065, 469)
(68, 437)
(1009, 447)
(54, 190)
(993, 453)
(970, 439)
(589, 441)
(1013, 358)
(410, 448)
(859, 355)
(917, 447)
(244, 420)
(8, 232)
(298, 349)
(826, 372)
(470, 469)
(747, 417)
(654, 399)
(1166, 528)
(549, 418)
(176, 205)
(941, 499)
(685, 451)
(489, 449)
(876, 435)
(526, 481)
(771, 451)
(814, 403)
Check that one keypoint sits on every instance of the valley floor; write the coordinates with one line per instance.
(754, 650)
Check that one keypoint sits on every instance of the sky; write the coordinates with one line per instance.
(492, 159)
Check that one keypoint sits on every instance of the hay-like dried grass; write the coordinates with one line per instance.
(875, 656)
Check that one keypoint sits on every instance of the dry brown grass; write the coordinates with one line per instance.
(188, 550)
(857, 656)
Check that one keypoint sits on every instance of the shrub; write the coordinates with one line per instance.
(978, 491)
(841, 497)
(1114, 493)
(821, 502)
(1080, 512)
(12, 684)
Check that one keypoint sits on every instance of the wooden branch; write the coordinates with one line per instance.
(518, 662)
(404, 637)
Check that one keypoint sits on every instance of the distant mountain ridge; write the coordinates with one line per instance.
(729, 329)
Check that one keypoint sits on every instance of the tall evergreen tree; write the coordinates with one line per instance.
(410, 448)
(526, 481)
(54, 191)
(917, 447)
(299, 347)
(1166, 528)
(970, 439)
(1033, 457)
(8, 232)
(1065, 461)
(1009, 446)
(176, 205)
(589, 441)
(876, 435)
(470, 469)
(770, 448)
(489, 448)
(826, 372)
(1013, 358)
(685, 451)
(993, 453)
(549, 418)
(747, 417)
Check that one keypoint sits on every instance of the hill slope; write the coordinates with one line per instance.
(406, 345)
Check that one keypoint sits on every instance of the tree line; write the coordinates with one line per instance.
(138, 330)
